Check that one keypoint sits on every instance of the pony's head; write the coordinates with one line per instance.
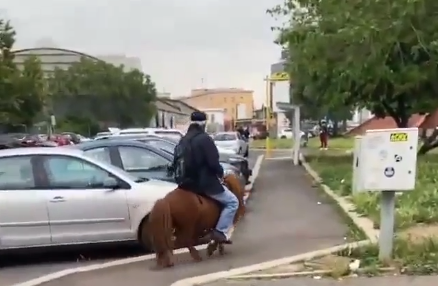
(233, 183)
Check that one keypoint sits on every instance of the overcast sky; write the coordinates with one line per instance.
(181, 43)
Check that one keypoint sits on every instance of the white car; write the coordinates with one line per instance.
(61, 196)
(288, 134)
(162, 132)
(231, 141)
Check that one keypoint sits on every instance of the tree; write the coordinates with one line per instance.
(104, 93)
(32, 97)
(375, 54)
(22, 91)
(8, 72)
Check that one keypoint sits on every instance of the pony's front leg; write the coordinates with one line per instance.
(187, 239)
(211, 248)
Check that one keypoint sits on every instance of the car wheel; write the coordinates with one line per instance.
(283, 137)
(143, 236)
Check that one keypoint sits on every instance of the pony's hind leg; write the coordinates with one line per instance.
(221, 249)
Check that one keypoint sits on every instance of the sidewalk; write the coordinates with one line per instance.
(361, 281)
(283, 219)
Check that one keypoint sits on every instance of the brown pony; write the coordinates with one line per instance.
(182, 217)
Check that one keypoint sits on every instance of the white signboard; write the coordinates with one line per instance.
(356, 182)
(280, 93)
(389, 159)
(241, 111)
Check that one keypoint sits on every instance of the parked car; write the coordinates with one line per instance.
(232, 141)
(286, 133)
(74, 137)
(168, 145)
(139, 158)
(64, 196)
(162, 132)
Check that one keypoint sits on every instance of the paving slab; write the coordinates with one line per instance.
(359, 281)
(285, 217)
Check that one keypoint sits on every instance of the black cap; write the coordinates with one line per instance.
(198, 116)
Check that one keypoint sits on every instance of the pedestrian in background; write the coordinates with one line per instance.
(323, 134)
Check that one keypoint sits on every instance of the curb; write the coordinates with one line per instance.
(365, 224)
(270, 149)
(198, 280)
(76, 270)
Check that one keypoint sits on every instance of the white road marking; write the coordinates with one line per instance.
(280, 158)
(65, 272)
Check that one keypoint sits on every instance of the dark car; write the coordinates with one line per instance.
(137, 157)
(168, 145)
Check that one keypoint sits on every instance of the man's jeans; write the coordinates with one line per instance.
(231, 204)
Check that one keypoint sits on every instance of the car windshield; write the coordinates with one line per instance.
(112, 168)
(169, 134)
(163, 145)
(224, 137)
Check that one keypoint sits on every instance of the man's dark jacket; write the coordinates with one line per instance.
(208, 170)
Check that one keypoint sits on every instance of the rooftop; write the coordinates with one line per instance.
(206, 91)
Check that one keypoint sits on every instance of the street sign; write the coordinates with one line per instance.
(279, 76)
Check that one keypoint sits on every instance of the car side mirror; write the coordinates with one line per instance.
(111, 183)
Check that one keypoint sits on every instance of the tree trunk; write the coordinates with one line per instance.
(429, 143)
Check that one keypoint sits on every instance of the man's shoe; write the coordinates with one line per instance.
(219, 237)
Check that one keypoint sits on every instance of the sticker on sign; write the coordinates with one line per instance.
(398, 137)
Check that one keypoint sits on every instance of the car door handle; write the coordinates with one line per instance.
(57, 199)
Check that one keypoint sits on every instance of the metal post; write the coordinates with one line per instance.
(296, 132)
(387, 215)
(268, 115)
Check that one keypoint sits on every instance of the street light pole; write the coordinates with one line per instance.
(267, 114)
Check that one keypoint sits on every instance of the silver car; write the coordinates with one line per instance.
(61, 196)
(232, 141)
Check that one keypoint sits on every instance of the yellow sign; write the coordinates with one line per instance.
(279, 76)
(398, 137)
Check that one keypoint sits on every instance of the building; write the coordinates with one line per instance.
(168, 115)
(52, 58)
(229, 99)
(215, 119)
(416, 120)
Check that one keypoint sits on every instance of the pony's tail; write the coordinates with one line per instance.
(160, 226)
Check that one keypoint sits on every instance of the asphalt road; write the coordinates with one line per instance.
(20, 268)
(286, 216)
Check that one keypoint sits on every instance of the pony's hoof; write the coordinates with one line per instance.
(222, 250)
(211, 248)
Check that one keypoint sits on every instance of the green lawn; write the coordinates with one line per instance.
(414, 207)
(273, 143)
(334, 143)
